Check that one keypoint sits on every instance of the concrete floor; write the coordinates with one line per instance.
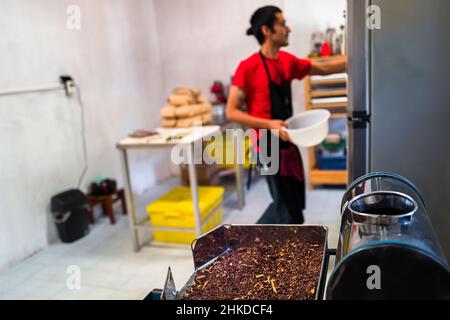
(109, 269)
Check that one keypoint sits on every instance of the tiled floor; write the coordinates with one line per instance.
(109, 268)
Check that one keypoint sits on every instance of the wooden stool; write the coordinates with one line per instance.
(107, 204)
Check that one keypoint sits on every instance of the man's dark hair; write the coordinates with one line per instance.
(264, 16)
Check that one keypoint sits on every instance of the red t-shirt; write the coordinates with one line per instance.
(251, 77)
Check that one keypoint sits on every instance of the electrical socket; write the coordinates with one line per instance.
(68, 84)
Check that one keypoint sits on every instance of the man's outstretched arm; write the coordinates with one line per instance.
(336, 65)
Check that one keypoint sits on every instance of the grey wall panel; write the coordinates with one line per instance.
(356, 51)
(411, 101)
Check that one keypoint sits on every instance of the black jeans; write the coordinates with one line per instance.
(288, 194)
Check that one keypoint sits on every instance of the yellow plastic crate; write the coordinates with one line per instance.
(175, 209)
(187, 237)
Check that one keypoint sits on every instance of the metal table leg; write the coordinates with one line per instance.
(238, 168)
(130, 197)
(194, 187)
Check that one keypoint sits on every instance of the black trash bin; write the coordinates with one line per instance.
(70, 213)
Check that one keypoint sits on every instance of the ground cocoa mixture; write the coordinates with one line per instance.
(287, 270)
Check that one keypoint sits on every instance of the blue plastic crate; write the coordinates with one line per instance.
(331, 163)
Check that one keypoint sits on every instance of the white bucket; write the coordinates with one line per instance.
(308, 128)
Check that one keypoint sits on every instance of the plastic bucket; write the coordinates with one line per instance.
(309, 128)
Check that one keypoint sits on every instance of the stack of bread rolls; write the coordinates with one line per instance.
(185, 108)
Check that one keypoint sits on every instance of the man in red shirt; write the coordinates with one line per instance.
(263, 82)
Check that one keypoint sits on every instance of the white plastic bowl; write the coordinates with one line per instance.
(308, 128)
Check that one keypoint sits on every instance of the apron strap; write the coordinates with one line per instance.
(265, 66)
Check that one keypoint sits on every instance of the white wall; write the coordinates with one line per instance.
(115, 60)
(203, 40)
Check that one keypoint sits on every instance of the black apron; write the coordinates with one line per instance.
(288, 193)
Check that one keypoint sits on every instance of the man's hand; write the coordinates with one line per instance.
(276, 127)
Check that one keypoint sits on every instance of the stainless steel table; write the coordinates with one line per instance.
(192, 136)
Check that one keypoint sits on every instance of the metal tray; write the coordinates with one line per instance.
(222, 240)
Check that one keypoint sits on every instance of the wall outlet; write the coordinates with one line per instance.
(68, 84)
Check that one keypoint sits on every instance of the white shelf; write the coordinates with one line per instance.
(317, 101)
(335, 76)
